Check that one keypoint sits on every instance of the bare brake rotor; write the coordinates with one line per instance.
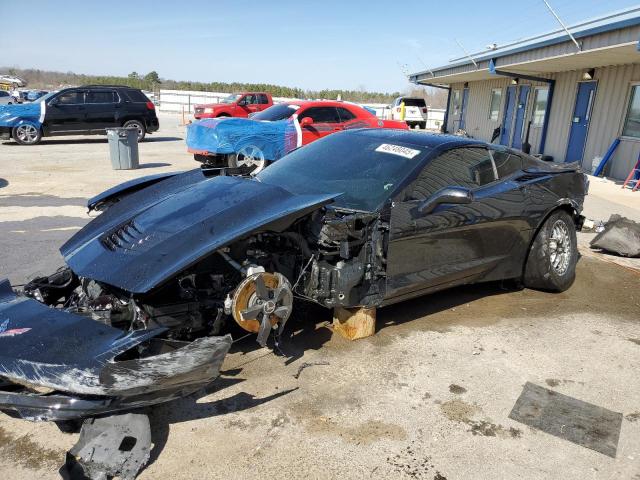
(261, 302)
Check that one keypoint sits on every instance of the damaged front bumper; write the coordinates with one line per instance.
(57, 365)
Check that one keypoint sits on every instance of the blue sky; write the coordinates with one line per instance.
(315, 45)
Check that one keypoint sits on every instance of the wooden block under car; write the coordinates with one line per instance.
(354, 323)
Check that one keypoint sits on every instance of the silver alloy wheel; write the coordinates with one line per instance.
(251, 156)
(27, 133)
(560, 248)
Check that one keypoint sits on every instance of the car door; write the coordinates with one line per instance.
(263, 102)
(249, 104)
(101, 107)
(326, 121)
(66, 112)
(455, 243)
(349, 119)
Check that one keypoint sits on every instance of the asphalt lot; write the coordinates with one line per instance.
(430, 396)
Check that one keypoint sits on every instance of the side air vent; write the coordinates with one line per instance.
(124, 237)
(527, 177)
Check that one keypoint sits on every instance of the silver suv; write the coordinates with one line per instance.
(6, 98)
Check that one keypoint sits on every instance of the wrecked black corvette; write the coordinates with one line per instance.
(361, 218)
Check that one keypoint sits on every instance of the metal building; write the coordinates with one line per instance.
(570, 92)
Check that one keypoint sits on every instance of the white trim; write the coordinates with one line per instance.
(43, 111)
(296, 124)
(625, 112)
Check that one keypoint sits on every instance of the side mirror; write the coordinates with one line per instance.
(243, 102)
(453, 195)
(53, 102)
(306, 121)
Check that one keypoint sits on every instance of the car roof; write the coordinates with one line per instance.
(321, 103)
(430, 140)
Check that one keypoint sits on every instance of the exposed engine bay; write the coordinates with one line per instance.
(331, 257)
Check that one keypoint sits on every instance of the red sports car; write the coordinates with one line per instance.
(271, 134)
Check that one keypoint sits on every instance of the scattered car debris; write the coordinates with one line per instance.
(307, 365)
(620, 235)
(116, 446)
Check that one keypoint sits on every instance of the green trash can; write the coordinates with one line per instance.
(123, 148)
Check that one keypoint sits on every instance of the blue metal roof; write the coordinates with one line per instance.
(612, 21)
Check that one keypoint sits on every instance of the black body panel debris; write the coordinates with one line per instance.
(56, 365)
(117, 446)
(620, 236)
(571, 419)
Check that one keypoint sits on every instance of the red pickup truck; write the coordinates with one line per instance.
(235, 105)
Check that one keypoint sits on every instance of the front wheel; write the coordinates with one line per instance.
(249, 156)
(552, 259)
(137, 124)
(27, 134)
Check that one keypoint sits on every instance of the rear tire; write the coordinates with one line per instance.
(142, 131)
(249, 156)
(552, 259)
(27, 134)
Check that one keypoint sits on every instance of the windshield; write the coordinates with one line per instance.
(230, 99)
(414, 102)
(364, 168)
(46, 97)
(276, 112)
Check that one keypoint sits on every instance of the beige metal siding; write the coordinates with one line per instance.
(610, 108)
(614, 37)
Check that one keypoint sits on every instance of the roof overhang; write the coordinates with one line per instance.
(614, 55)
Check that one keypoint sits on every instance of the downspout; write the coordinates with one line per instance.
(446, 111)
(547, 116)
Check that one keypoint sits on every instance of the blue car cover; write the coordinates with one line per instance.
(26, 113)
(231, 135)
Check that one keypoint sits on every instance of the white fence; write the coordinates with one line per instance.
(183, 101)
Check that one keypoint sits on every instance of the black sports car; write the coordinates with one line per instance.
(360, 218)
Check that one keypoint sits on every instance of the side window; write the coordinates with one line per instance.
(461, 167)
(101, 97)
(3, 93)
(345, 115)
(71, 98)
(262, 99)
(250, 99)
(321, 115)
(136, 96)
(506, 163)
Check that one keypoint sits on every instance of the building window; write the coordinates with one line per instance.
(456, 102)
(494, 108)
(540, 106)
(632, 122)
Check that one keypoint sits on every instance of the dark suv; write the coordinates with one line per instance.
(85, 110)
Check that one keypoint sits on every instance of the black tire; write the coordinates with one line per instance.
(552, 259)
(142, 130)
(27, 134)
(222, 115)
(253, 154)
(422, 125)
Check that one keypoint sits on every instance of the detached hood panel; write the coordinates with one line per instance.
(151, 235)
